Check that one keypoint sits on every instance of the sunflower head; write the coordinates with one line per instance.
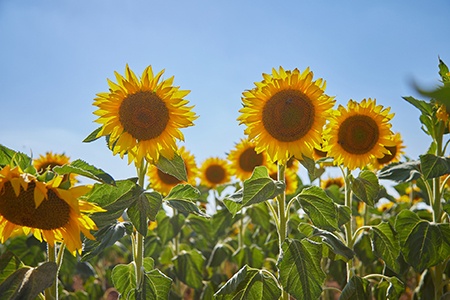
(49, 212)
(163, 182)
(51, 160)
(337, 181)
(142, 117)
(244, 158)
(214, 171)
(394, 155)
(359, 133)
(285, 113)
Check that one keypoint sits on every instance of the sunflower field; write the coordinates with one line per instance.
(242, 227)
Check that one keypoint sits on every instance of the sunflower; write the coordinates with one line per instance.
(359, 133)
(337, 181)
(244, 158)
(395, 154)
(163, 182)
(290, 179)
(142, 117)
(285, 113)
(51, 160)
(51, 213)
(214, 171)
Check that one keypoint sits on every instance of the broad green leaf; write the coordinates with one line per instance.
(169, 227)
(356, 289)
(260, 187)
(434, 166)
(440, 94)
(249, 283)
(420, 241)
(182, 198)
(319, 207)
(219, 254)
(220, 222)
(28, 249)
(366, 187)
(27, 282)
(105, 237)
(154, 201)
(156, 286)
(14, 158)
(253, 256)
(233, 202)
(189, 268)
(299, 267)
(9, 263)
(114, 199)
(344, 214)
(82, 168)
(426, 108)
(363, 248)
(259, 215)
(93, 135)
(401, 172)
(186, 206)
(334, 243)
(311, 167)
(137, 212)
(444, 72)
(386, 245)
(174, 167)
(124, 279)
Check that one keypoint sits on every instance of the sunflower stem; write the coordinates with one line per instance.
(139, 244)
(51, 292)
(348, 225)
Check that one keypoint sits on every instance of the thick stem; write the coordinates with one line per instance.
(139, 244)
(51, 292)
(349, 224)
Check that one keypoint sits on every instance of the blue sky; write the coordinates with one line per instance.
(56, 55)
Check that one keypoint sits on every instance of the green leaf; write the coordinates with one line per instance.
(249, 283)
(27, 282)
(444, 72)
(9, 263)
(420, 241)
(174, 167)
(189, 267)
(310, 166)
(386, 245)
(144, 208)
(356, 289)
(186, 206)
(426, 108)
(401, 172)
(182, 198)
(366, 187)
(363, 248)
(252, 256)
(219, 254)
(319, 207)
(124, 279)
(344, 214)
(114, 199)
(82, 168)
(260, 216)
(434, 166)
(260, 187)
(105, 237)
(156, 286)
(299, 268)
(233, 202)
(334, 243)
(14, 158)
(93, 135)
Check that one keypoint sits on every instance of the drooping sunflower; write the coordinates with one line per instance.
(163, 182)
(285, 113)
(359, 133)
(290, 179)
(244, 158)
(51, 213)
(395, 154)
(214, 171)
(142, 117)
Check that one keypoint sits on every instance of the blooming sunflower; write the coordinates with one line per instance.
(163, 182)
(244, 158)
(52, 214)
(290, 179)
(214, 171)
(338, 181)
(359, 133)
(51, 160)
(142, 117)
(395, 154)
(285, 113)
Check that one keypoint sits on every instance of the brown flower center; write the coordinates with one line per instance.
(53, 212)
(144, 115)
(320, 153)
(358, 134)
(215, 174)
(167, 178)
(388, 157)
(249, 159)
(288, 115)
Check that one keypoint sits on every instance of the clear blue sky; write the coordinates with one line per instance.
(56, 55)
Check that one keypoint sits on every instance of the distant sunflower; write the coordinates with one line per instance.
(51, 160)
(337, 181)
(285, 113)
(290, 179)
(244, 158)
(142, 117)
(395, 154)
(214, 171)
(163, 182)
(359, 133)
(52, 214)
